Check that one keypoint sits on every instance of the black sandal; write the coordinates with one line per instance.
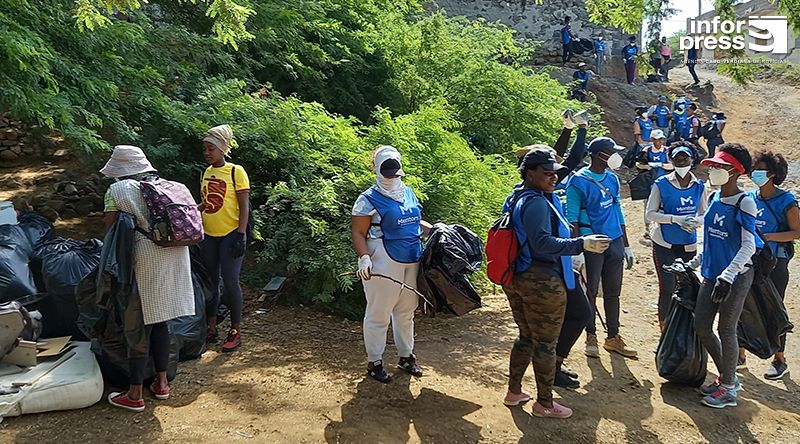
(409, 365)
(377, 372)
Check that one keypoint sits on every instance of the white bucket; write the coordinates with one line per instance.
(8, 216)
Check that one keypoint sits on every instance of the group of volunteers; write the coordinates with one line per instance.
(163, 274)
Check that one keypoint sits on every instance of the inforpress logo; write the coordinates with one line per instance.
(768, 34)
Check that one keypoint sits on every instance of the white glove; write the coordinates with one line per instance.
(596, 243)
(667, 166)
(566, 117)
(655, 164)
(581, 118)
(687, 223)
(578, 262)
(364, 267)
(643, 166)
(629, 257)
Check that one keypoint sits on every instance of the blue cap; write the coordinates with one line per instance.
(681, 149)
(600, 144)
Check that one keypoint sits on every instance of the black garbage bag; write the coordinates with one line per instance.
(680, 357)
(451, 254)
(16, 279)
(65, 262)
(37, 228)
(764, 320)
(641, 184)
(582, 45)
(190, 331)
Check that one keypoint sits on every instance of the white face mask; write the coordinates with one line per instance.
(390, 184)
(614, 161)
(644, 115)
(683, 171)
(718, 176)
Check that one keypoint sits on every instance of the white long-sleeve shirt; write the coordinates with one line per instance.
(656, 214)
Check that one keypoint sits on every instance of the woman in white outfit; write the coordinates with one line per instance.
(387, 228)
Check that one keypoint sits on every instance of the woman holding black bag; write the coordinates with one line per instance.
(778, 218)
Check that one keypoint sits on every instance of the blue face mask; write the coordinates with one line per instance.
(759, 177)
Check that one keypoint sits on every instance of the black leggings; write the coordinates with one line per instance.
(566, 56)
(577, 315)
(666, 281)
(158, 348)
(219, 260)
(780, 277)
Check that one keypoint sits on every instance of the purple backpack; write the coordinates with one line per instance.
(175, 220)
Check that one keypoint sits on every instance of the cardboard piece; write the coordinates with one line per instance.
(28, 353)
(52, 346)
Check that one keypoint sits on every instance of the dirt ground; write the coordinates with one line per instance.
(299, 376)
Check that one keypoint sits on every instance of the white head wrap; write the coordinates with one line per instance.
(222, 137)
(393, 188)
(126, 160)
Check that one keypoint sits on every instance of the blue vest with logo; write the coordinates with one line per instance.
(687, 126)
(599, 205)
(524, 257)
(679, 202)
(646, 126)
(630, 52)
(771, 218)
(722, 235)
(565, 36)
(400, 223)
(660, 157)
(662, 116)
(679, 117)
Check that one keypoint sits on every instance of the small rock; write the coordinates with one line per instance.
(69, 213)
(70, 189)
(49, 213)
(8, 155)
(83, 207)
(54, 204)
(61, 153)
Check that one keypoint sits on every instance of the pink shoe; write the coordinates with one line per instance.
(557, 411)
(121, 400)
(513, 399)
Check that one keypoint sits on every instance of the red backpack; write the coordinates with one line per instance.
(502, 248)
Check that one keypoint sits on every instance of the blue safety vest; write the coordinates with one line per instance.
(662, 116)
(660, 157)
(687, 126)
(679, 202)
(771, 217)
(600, 207)
(524, 257)
(646, 126)
(679, 117)
(400, 223)
(630, 52)
(722, 235)
(599, 46)
(565, 35)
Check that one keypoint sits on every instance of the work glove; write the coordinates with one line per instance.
(668, 166)
(643, 166)
(364, 267)
(687, 223)
(629, 257)
(578, 262)
(721, 290)
(596, 243)
(679, 266)
(238, 246)
(566, 117)
(655, 164)
(581, 118)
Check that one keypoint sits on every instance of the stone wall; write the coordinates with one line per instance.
(15, 141)
(536, 22)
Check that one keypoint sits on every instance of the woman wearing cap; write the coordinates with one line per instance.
(654, 159)
(593, 207)
(729, 227)
(543, 273)
(778, 218)
(163, 279)
(674, 204)
(662, 115)
(225, 189)
(387, 227)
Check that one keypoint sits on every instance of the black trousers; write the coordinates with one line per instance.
(780, 277)
(577, 315)
(666, 281)
(693, 73)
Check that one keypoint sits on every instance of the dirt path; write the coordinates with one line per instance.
(299, 376)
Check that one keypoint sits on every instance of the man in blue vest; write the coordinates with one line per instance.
(629, 53)
(582, 76)
(593, 207)
(566, 40)
(678, 119)
(599, 53)
(662, 115)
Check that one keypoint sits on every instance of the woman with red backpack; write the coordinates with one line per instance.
(225, 190)
(163, 277)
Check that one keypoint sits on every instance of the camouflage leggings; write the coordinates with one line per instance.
(538, 302)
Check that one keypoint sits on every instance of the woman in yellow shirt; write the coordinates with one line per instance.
(225, 190)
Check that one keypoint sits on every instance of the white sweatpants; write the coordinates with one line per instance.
(387, 300)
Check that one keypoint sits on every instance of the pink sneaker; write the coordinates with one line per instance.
(557, 411)
(513, 399)
(121, 400)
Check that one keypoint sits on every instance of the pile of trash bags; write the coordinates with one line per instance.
(681, 357)
(764, 320)
(54, 281)
(452, 253)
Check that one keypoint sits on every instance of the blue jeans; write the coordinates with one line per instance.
(605, 269)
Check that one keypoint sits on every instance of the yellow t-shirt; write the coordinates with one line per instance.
(221, 211)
